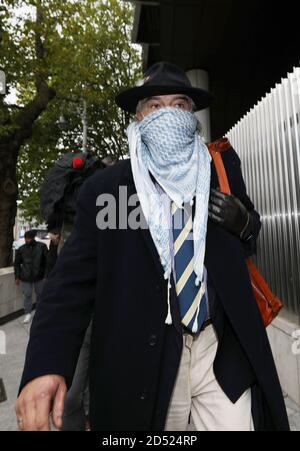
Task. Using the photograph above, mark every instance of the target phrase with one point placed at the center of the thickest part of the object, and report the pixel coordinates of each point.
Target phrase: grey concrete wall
(10, 294)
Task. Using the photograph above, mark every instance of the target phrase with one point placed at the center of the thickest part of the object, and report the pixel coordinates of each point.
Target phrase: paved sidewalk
(11, 365)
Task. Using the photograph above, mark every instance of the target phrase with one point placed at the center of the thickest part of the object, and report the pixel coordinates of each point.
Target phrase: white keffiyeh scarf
(167, 144)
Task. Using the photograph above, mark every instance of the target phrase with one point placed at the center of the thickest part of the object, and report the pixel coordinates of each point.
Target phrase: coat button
(152, 340)
(143, 396)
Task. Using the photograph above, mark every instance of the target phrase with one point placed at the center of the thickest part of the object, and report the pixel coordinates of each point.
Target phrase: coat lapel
(145, 233)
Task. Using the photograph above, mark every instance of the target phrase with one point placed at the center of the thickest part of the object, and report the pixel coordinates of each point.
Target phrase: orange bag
(269, 304)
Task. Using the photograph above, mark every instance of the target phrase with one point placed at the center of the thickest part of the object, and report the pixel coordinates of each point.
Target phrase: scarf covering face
(167, 144)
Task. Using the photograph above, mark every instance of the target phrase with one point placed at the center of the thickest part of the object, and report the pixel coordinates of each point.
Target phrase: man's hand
(229, 212)
(18, 281)
(38, 399)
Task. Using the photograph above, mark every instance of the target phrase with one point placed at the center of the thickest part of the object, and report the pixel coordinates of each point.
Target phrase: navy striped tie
(189, 295)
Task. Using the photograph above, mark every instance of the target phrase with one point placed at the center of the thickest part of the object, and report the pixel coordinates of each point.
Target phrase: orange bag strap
(216, 148)
(260, 282)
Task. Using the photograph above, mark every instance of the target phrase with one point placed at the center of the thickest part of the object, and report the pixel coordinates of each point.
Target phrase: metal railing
(267, 140)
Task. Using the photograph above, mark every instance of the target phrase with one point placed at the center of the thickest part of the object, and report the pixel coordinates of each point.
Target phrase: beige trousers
(198, 396)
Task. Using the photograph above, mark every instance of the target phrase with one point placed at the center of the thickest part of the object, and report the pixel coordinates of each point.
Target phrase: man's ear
(139, 116)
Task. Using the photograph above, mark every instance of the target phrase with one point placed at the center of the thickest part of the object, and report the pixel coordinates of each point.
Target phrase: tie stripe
(174, 208)
(183, 235)
(184, 278)
(192, 310)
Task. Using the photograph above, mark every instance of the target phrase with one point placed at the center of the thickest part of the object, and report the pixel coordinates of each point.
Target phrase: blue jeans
(27, 288)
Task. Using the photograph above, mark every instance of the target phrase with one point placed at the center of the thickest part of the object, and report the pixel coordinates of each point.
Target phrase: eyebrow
(179, 97)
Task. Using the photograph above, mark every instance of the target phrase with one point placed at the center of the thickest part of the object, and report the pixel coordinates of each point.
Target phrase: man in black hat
(176, 332)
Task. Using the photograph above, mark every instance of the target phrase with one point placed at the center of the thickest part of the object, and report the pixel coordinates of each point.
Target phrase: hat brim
(128, 99)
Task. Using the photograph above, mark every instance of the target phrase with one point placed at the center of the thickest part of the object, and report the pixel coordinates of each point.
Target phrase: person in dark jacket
(53, 247)
(30, 266)
(176, 328)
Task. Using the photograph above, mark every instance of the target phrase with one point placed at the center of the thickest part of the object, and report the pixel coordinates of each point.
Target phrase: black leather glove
(229, 212)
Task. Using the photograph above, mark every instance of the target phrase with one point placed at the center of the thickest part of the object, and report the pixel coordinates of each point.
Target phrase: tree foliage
(76, 50)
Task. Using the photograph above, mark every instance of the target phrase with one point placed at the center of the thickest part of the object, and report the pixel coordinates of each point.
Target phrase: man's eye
(180, 105)
(155, 105)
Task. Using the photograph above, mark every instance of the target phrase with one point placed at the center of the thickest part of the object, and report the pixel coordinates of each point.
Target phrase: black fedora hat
(161, 79)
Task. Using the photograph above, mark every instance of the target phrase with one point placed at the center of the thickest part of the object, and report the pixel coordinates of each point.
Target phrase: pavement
(11, 365)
